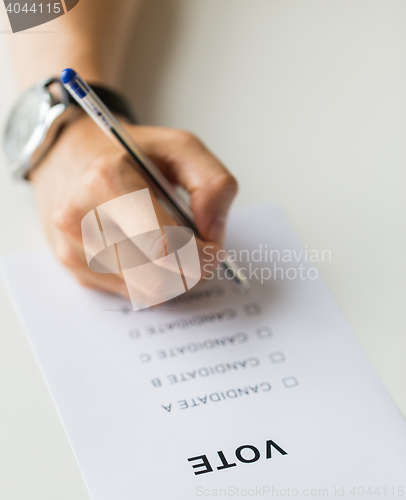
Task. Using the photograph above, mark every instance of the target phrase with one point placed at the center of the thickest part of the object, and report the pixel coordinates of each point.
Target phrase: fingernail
(217, 229)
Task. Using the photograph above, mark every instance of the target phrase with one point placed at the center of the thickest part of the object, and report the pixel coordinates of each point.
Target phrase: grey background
(305, 102)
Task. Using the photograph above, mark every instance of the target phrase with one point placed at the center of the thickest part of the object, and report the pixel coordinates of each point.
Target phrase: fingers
(103, 182)
(106, 188)
(72, 256)
(187, 162)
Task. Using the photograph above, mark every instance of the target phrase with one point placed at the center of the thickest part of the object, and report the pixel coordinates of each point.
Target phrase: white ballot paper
(215, 394)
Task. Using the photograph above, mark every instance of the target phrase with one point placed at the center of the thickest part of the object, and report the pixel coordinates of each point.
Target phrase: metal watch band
(53, 107)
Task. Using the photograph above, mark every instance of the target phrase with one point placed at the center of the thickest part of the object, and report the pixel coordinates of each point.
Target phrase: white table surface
(305, 102)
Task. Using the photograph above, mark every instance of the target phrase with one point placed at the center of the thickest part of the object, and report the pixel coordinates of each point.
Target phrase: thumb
(186, 161)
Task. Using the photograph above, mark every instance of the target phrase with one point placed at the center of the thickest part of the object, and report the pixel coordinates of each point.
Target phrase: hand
(83, 170)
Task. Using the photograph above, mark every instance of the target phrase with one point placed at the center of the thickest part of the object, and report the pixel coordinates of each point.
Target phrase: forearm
(92, 38)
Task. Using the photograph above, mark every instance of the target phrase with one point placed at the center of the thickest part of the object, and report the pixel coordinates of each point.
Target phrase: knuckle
(67, 218)
(153, 246)
(97, 174)
(156, 249)
(228, 182)
(110, 174)
(185, 138)
(67, 256)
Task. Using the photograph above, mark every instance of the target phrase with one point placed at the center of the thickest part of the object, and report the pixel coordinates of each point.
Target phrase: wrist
(48, 108)
(66, 151)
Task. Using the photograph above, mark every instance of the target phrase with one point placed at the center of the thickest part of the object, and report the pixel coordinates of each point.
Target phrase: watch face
(22, 123)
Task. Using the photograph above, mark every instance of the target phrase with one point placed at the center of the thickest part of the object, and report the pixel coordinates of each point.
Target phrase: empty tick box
(277, 357)
(252, 309)
(264, 332)
(290, 382)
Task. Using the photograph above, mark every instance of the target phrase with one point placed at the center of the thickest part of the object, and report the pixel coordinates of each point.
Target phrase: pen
(168, 196)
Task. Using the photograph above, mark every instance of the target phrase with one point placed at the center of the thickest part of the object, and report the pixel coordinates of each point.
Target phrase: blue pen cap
(70, 80)
(67, 75)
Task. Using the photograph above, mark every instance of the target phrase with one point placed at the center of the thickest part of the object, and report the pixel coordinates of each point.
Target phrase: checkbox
(290, 382)
(264, 332)
(134, 334)
(252, 309)
(277, 357)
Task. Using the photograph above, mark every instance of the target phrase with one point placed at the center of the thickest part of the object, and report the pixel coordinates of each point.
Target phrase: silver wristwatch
(37, 117)
(33, 124)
